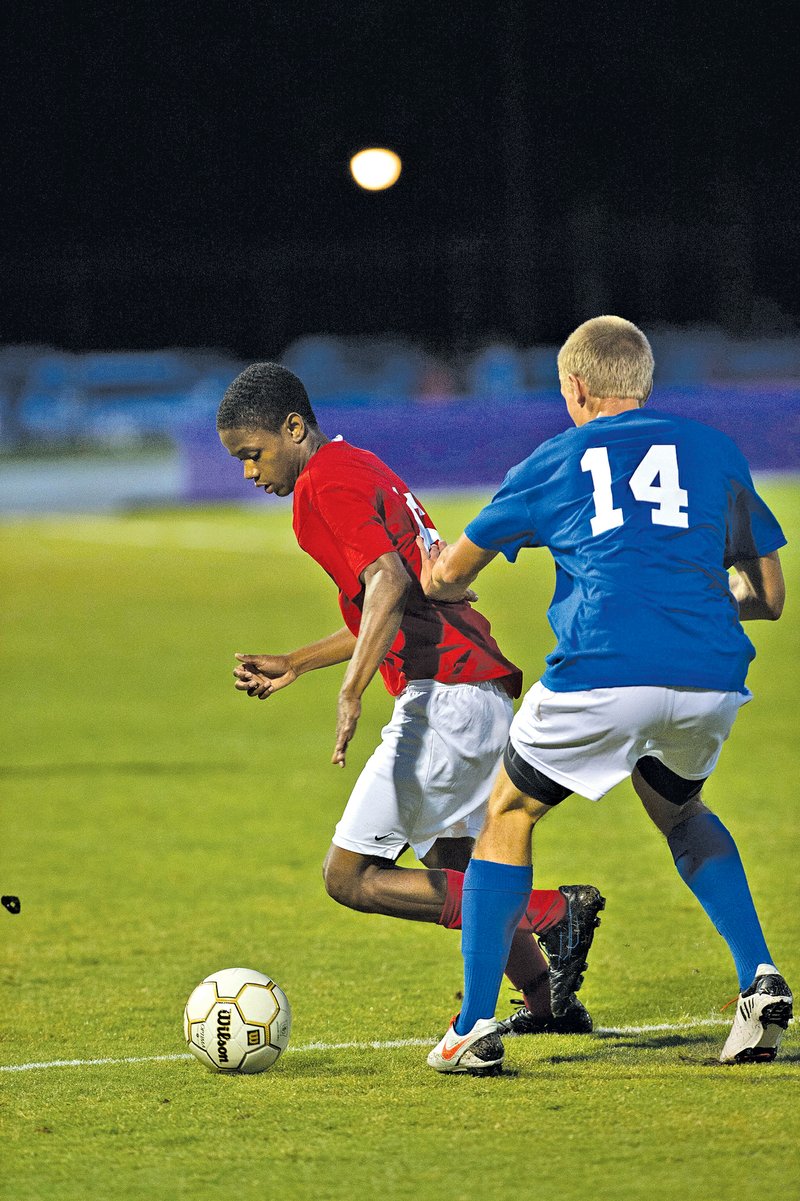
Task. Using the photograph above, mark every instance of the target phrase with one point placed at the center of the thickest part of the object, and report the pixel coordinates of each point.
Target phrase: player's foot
(763, 1012)
(479, 1053)
(567, 943)
(574, 1020)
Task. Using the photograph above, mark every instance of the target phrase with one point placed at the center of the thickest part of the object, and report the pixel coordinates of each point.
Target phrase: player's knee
(338, 883)
(672, 787)
(346, 887)
(531, 782)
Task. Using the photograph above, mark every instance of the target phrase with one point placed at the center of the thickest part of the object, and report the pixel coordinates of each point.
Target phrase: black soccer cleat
(574, 1020)
(763, 1012)
(567, 943)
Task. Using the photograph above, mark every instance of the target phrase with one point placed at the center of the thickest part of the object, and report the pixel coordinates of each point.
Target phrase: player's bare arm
(386, 584)
(759, 588)
(262, 675)
(447, 571)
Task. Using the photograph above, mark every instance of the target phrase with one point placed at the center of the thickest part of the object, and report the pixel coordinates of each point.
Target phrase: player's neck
(312, 442)
(610, 406)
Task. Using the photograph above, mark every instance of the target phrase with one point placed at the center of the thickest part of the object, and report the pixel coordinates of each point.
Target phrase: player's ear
(295, 427)
(577, 389)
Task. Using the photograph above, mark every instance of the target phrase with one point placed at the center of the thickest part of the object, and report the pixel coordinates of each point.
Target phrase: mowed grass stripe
(142, 534)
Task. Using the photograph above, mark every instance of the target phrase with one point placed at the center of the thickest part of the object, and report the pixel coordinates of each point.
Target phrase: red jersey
(349, 509)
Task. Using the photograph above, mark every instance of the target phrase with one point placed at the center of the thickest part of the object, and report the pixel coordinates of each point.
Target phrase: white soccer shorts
(590, 741)
(432, 773)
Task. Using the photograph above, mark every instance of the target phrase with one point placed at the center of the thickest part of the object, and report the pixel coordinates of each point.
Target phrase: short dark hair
(262, 397)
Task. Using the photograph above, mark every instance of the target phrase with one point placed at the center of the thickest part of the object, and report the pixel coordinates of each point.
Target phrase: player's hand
(347, 714)
(428, 560)
(261, 675)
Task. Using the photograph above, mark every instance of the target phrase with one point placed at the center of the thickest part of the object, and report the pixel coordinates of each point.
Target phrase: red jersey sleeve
(351, 515)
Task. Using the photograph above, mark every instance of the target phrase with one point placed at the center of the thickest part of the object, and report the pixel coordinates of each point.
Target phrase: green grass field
(160, 826)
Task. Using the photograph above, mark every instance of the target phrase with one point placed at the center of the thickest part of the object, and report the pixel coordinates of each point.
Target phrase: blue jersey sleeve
(752, 530)
(507, 524)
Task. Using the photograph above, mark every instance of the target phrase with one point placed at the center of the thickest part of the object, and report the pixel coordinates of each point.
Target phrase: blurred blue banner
(467, 444)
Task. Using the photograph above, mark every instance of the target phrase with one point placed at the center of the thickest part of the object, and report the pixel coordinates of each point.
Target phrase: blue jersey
(643, 513)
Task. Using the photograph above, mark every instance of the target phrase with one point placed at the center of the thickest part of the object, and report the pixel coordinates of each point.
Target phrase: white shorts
(432, 773)
(590, 741)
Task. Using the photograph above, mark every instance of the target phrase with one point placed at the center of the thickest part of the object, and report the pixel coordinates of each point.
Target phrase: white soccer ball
(237, 1020)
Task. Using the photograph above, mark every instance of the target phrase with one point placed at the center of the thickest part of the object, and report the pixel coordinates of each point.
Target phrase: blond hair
(612, 357)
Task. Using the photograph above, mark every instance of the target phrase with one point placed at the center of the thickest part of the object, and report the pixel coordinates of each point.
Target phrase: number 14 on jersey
(655, 482)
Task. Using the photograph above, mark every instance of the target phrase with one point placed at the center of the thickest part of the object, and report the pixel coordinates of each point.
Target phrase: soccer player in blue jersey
(643, 513)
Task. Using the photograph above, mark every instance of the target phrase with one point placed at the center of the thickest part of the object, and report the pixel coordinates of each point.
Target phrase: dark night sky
(178, 172)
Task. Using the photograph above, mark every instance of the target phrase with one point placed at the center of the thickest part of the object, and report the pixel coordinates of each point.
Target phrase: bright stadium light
(375, 169)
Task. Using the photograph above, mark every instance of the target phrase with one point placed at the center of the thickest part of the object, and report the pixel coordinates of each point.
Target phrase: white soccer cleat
(763, 1012)
(479, 1053)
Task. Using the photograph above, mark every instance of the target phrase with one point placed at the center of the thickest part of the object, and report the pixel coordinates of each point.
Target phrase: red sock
(546, 906)
(527, 970)
(451, 911)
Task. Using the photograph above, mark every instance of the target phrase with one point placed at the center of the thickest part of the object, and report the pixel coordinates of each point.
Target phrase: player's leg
(497, 885)
(526, 968)
(558, 743)
(708, 861)
(550, 737)
(373, 884)
(669, 782)
(377, 885)
(554, 917)
(500, 865)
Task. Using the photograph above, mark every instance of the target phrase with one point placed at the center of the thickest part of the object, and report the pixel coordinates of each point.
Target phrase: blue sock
(495, 898)
(708, 862)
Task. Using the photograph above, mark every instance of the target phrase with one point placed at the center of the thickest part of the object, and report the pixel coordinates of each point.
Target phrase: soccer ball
(237, 1020)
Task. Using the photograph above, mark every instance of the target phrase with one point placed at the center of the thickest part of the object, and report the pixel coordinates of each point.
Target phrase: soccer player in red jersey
(427, 784)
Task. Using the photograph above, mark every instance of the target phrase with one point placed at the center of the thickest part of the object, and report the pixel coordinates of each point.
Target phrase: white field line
(367, 1046)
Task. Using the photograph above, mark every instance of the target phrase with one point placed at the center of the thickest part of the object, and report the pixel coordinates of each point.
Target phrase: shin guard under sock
(708, 862)
(545, 907)
(495, 898)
